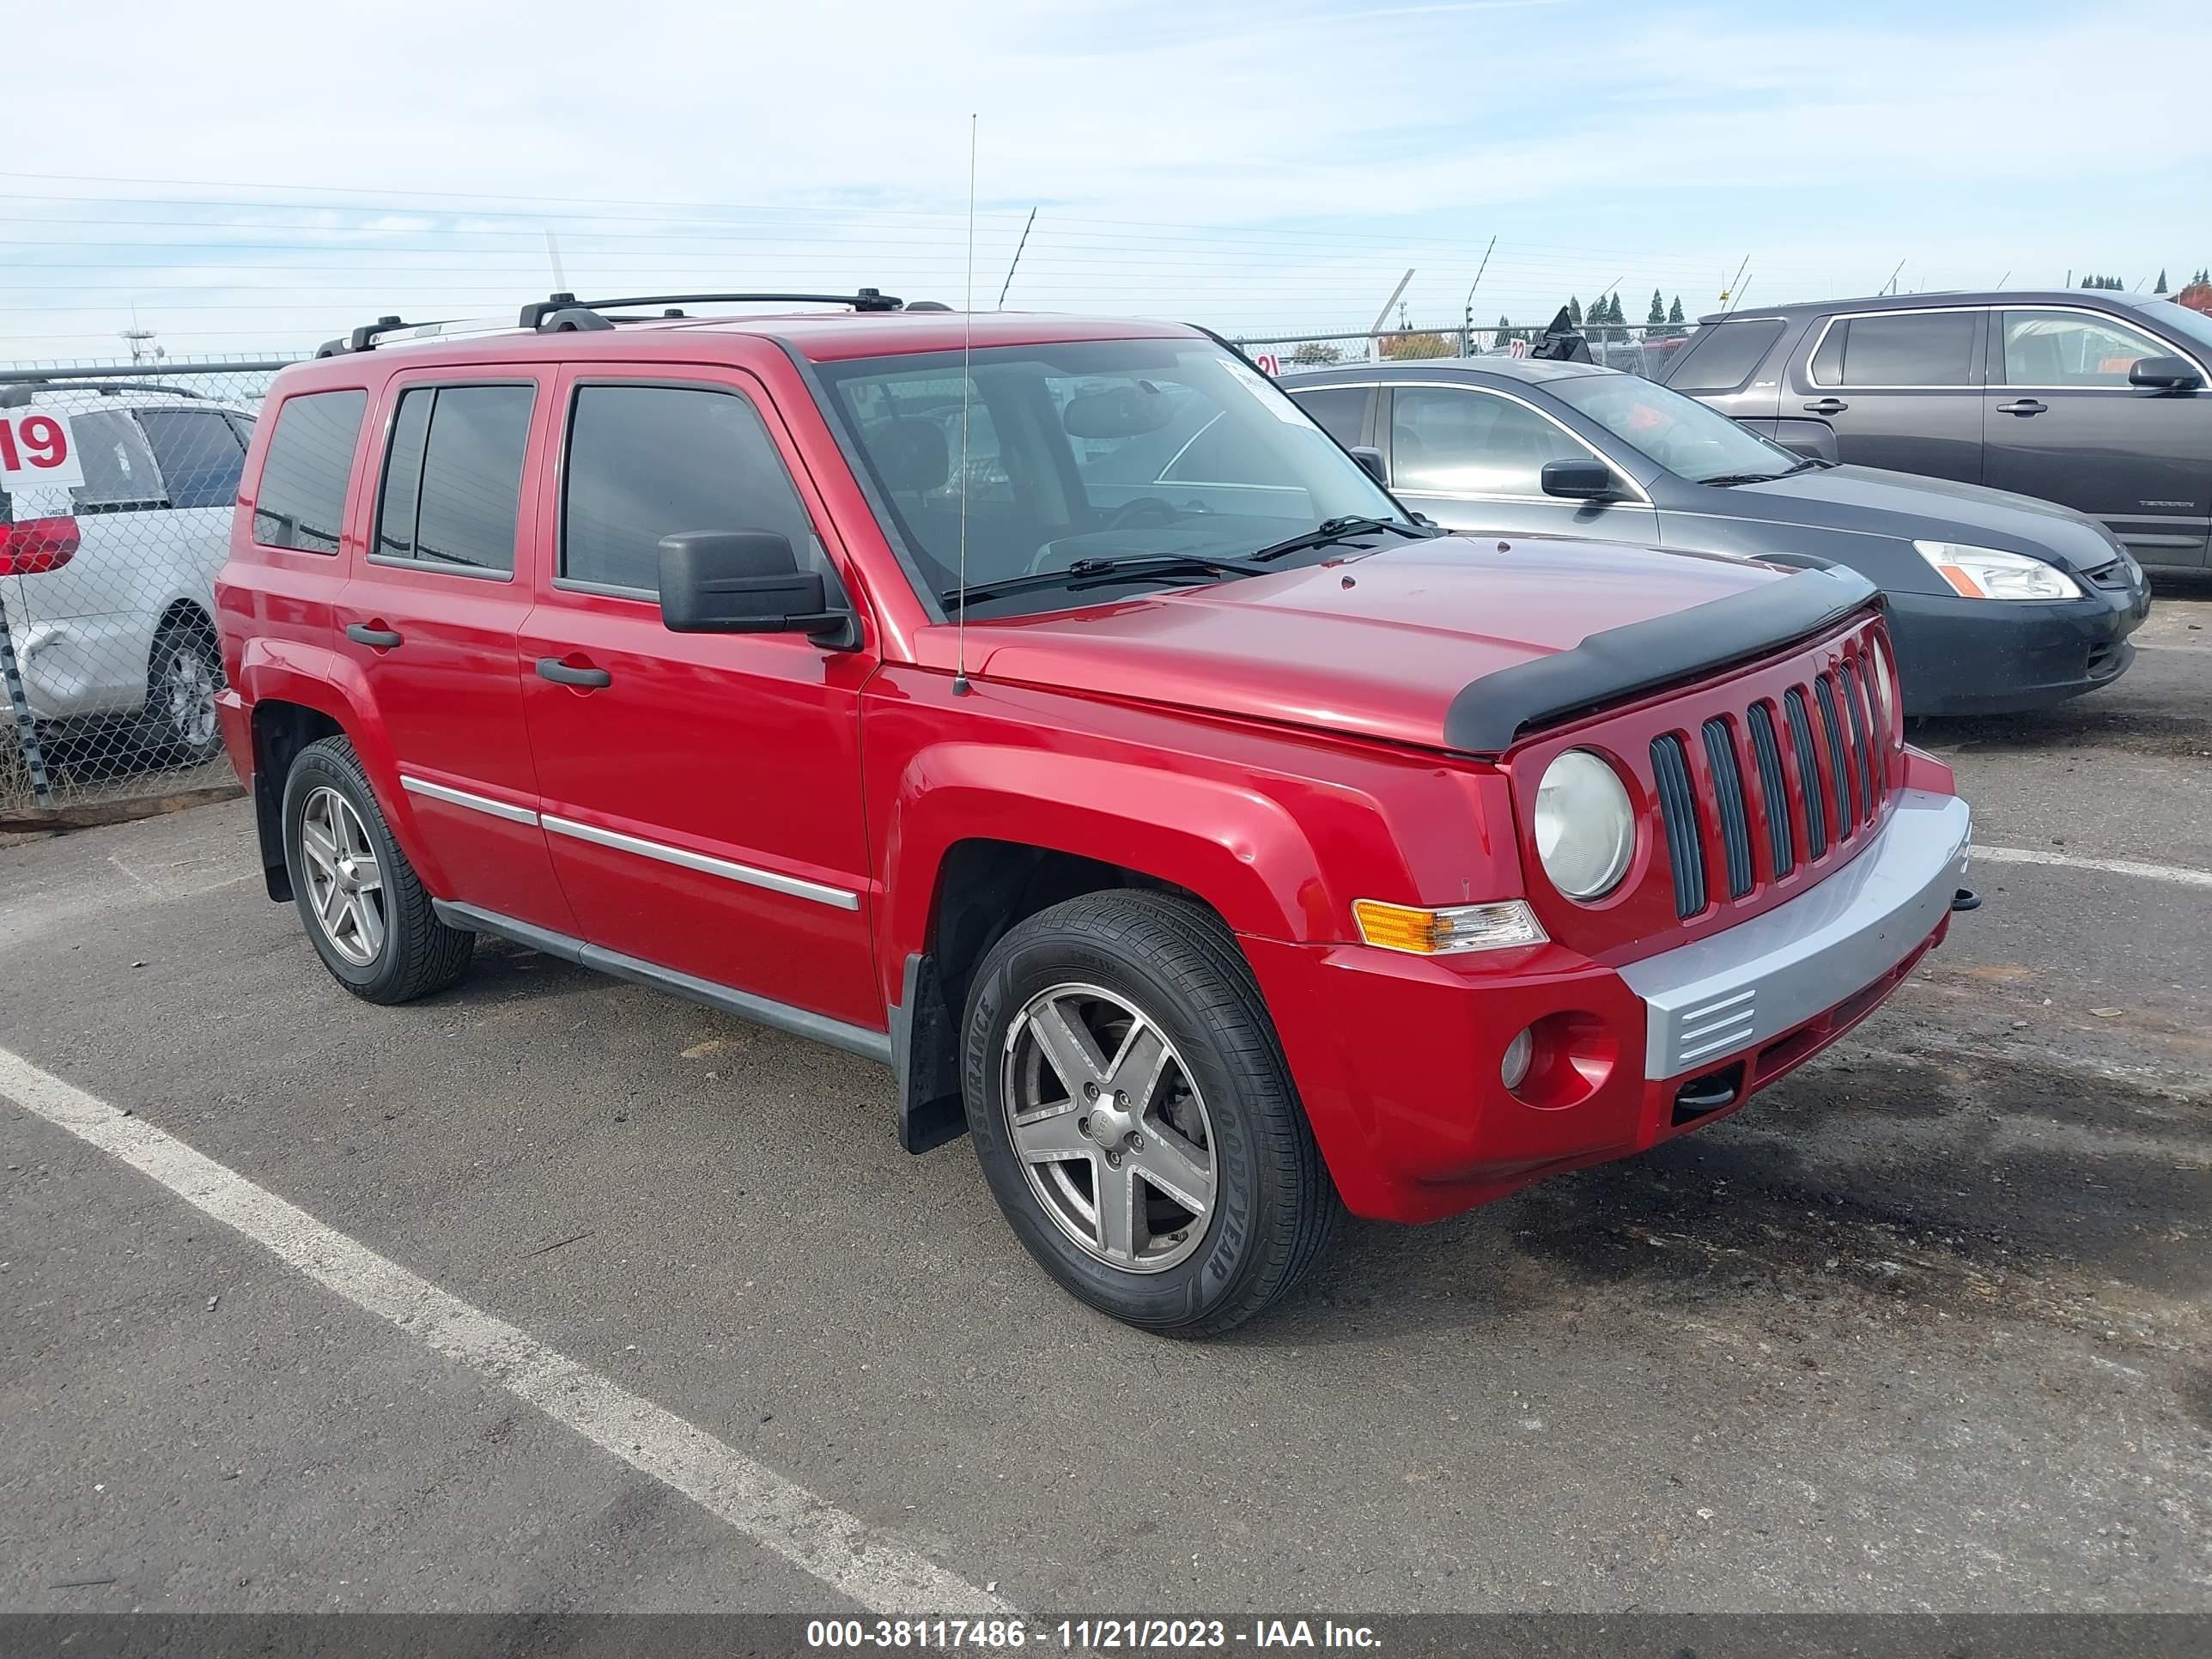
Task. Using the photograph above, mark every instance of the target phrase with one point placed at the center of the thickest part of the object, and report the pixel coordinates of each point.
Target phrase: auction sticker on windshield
(37, 449)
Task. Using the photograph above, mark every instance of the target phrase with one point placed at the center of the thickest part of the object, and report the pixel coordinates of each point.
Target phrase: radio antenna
(960, 686)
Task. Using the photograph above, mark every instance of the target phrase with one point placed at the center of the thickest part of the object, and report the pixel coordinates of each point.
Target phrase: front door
(431, 617)
(1474, 460)
(2060, 421)
(1901, 389)
(701, 793)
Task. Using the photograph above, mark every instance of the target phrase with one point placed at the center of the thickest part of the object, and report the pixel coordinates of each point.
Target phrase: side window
(2071, 348)
(452, 477)
(1721, 356)
(1905, 347)
(301, 501)
(1340, 410)
(1470, 443)
(646, 461)
(120, 473)
(199, 455)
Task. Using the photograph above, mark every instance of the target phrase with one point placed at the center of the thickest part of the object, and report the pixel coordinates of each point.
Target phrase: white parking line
(838, 1548)
(2181, 873)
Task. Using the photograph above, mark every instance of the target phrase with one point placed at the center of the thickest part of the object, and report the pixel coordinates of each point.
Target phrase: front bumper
(1746, 987)
(1396, 1057)
(1961, 656)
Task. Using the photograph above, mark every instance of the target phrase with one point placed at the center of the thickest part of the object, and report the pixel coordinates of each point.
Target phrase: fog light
(1513, 1070)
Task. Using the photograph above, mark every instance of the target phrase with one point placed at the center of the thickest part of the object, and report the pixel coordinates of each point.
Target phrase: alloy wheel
(1108, 1127)
(345, 882)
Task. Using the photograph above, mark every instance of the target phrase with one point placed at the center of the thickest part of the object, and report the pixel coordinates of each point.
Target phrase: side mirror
(1579, 480)
(740, 581)
(1371, 459)
(2167, 373)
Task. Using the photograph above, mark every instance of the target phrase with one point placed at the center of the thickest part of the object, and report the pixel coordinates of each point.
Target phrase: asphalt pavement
(1923, 1327)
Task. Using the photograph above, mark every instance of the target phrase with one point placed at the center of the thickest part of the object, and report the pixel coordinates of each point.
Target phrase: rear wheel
(183, 675)
(1133, 1114)
(364, 908)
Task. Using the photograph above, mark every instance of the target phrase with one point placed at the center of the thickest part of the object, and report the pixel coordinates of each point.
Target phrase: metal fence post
(26, 730)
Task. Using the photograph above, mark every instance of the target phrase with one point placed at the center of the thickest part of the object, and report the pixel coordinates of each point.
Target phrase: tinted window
(473, 476)
(199, 454)
(2069, 347)
(1341, 410)
(301, 500)
(118, 467)
(1935, 348)
(1694, 441)
(402, 476)
(1469, 443)
(645, 462)
(1721, 357)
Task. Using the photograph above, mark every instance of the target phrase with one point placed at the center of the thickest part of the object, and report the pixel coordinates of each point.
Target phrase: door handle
(2022, 406)
(553, 669)
(1827, 406)
(362, 634)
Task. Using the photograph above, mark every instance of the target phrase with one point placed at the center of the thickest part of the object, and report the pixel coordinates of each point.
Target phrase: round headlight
(1585, 829)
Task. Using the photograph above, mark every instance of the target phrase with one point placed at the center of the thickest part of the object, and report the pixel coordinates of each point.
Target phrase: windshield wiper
(1336, 530)
(1803, 463)
(1091, 572)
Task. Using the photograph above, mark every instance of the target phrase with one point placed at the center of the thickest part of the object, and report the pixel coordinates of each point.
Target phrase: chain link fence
(117, 485)
(1639, 347)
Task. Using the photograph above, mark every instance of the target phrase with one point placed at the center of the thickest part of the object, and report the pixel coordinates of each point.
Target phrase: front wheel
(364, 906)
(1134, 1117)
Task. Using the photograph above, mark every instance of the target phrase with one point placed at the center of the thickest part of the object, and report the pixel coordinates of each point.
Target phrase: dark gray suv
(2095, 400)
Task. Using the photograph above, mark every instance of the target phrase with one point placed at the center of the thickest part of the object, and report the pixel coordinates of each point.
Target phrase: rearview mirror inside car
(740, 581)
(1127, 411)
(2170, 374)
(1579, 480)
(1371, 459)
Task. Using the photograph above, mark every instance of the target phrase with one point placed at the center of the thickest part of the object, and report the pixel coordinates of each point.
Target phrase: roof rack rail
(364, 337)
(21, 392)
(562, 312)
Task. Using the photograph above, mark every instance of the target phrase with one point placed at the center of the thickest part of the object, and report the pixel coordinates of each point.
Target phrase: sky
(253, 177)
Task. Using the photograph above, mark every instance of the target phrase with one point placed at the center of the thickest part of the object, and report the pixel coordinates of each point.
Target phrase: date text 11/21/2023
(1085, 1634)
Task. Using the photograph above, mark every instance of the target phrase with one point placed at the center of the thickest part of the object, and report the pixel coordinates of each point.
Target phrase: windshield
(2192, 325)
(1099, 450)
(1691, 441)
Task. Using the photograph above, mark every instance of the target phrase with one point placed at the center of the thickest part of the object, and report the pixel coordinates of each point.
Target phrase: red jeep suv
(1049, 709)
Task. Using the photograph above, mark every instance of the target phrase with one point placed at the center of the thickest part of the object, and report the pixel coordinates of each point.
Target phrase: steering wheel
(1146, 513)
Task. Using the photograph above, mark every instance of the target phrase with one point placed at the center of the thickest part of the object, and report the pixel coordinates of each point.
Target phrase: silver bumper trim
(1762, 976)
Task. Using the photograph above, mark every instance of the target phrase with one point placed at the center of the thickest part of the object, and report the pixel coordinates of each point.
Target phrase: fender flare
(1231, 845)
(317, 677)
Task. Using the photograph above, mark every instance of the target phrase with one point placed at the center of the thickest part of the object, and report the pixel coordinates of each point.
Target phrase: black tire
(183, 671)
(419, 953)
(1275, 1207)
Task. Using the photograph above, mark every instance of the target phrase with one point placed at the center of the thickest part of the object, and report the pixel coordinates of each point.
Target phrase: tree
(1675, 310)
(1574, 311)
(2197, 295)
(1658, 312)
(1314, 353)
(2160, 286)
(1418, 345)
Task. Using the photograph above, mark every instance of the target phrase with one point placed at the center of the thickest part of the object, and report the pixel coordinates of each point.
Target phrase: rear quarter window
(1721, 356)
(300, 502)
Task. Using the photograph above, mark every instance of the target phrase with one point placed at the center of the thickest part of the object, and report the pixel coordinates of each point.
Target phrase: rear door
(2060, 421)
(700, 791)
(1900, 389)
(1472, 458)
(432, 618)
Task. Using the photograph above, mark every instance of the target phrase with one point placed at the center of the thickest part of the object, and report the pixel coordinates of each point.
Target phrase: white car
(108, 586)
